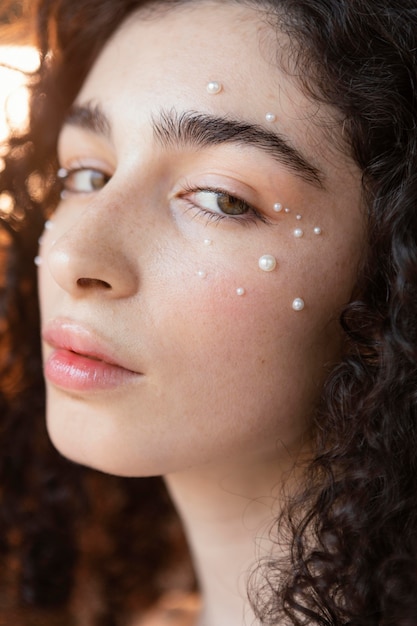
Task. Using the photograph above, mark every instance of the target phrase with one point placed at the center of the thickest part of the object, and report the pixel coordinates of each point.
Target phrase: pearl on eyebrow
(298, 232)
(267, 263)
(270, 117)
(214, 87)
(298, 304)
(277, 207)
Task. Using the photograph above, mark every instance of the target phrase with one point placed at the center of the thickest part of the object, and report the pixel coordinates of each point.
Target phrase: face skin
(127, 270)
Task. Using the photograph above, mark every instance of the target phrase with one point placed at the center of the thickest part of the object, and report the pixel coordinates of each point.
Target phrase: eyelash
(250, 217)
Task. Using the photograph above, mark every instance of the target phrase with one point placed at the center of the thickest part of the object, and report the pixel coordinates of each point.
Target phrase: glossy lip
(80, 361)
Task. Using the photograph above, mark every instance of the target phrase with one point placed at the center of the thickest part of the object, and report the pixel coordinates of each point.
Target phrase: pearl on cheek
(240, 291)
(277, 207)
(267, 263)
(202, 274)
(298, 232)
(317, 230)
(298, 304)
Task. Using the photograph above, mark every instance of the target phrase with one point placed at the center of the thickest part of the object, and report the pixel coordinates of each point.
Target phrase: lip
(81, 361)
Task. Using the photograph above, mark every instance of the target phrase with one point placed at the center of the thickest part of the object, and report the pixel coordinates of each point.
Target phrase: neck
(228, 512)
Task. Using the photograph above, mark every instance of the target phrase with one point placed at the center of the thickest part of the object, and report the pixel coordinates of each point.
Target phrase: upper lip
(76, 337)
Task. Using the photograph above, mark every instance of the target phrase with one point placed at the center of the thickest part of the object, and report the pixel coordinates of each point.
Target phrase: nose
(91, 257)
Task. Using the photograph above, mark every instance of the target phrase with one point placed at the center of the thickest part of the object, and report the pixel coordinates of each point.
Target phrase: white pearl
(207, 242)
(277, 207)
(317, 230)
(62, 172)
(270, 117)
(64, 194)
(240, 291)
(201, 274)
(48, 225)
(299, 217)
(267, 263)
(298, 232)
(298, 304)
(287, 210)
(38, 260)
(214, 87)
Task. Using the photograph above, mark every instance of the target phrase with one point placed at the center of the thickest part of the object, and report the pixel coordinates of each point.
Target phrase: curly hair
(353, 529)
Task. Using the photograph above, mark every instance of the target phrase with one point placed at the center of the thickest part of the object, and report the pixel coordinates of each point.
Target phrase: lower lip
(75, 372)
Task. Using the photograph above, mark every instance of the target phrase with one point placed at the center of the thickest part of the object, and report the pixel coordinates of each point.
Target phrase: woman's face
(166, 345)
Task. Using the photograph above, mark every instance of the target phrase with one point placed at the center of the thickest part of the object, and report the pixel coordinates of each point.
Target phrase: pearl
(207, 242)
(270, 117)
(214, 87)
(277, 207)
(287, 210)
(299, 217)
(240, 291)
(62, 172)
(298, 232)
(267, 263)
(38, 260)
(298, 304)
(64, 194)
(201, 274)
(317, 230)
(48, 225)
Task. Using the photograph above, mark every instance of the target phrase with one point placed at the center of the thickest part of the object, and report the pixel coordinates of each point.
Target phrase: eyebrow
(202, 130)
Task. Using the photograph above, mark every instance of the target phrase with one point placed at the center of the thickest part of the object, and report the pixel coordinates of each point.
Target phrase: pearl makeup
(317, 230)
(214, 87)
(267, 263)
(270, 117)
(202, 274)
(208, 242)
(277, 207)
(240, 291)
(298, 217)
(298, 232)
(298, 304)
(48, 225)
(38, 261)
(287, 210)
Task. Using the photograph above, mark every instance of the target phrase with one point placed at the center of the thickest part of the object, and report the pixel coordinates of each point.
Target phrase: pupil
(97, 180)
(230, 205)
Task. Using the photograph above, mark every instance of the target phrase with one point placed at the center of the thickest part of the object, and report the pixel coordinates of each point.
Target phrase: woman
(228, 287)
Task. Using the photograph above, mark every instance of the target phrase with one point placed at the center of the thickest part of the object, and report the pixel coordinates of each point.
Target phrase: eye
(219, 204)
(82, 180)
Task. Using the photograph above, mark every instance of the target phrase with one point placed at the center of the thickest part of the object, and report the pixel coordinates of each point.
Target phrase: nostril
(93, 282)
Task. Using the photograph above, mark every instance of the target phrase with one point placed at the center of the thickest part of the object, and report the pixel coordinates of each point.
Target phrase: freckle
(240, 291)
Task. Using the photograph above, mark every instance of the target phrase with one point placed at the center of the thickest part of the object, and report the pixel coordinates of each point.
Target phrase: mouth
(78, 360)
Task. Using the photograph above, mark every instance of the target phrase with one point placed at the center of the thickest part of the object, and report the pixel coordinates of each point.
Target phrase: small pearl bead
(277, 207)
(201, 274)
(267, 263)
(240, 291)
(287, 210)
(298, 304)
(62, 172)
(317, 230)
(207, 242)
(213, 87)
(48, 225)
(299, 217)
(37, 261)
(298, 232)
(270, 117)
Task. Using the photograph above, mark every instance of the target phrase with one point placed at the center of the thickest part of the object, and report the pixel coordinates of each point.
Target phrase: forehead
(166, 57)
